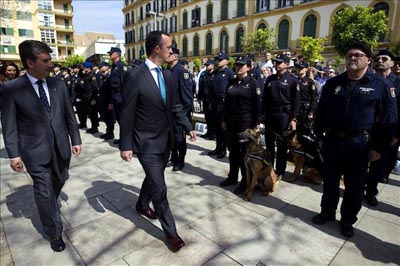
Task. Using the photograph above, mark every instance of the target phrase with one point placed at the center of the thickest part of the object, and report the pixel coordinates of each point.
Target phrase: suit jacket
(28, 131)
(146, 123)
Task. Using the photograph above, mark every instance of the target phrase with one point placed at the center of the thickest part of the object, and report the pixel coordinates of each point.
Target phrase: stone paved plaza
(101, 226)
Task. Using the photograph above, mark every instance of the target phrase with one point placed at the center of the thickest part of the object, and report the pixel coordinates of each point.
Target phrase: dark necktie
(43, 97)
(161, 84)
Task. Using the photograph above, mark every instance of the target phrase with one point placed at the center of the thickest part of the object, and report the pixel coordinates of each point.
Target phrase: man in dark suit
(149, 106)
(38, 123)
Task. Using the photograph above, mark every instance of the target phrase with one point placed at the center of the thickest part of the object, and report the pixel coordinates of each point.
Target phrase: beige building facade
(203, 28)
(46, 20)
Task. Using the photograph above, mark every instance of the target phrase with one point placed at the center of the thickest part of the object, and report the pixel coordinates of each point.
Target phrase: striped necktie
(43, 97)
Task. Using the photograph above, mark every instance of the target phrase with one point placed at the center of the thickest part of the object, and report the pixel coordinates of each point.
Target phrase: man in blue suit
(38, 127)
(149, 107)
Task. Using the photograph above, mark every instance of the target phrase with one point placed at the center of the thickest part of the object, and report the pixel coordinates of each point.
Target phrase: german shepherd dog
(258, 165)
(306, 156)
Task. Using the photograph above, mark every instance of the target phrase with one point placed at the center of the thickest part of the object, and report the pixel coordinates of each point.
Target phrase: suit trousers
(48, 181)
(154, 189)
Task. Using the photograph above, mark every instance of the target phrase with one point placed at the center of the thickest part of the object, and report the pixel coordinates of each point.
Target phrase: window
(141, 34)
(132, 17)
(239, 35)
(65, 8)
(283, 35)
(184, 20)
(6, 13)
(209, 13)
(173, 23)
(7, 31)
(129, 55)
(382, 6)
(209, 44)
(148, 29)
(196, 16)
(262, 26)
(148, 8)
(263, 5)
(224, 42)
(46, 20)
(241, 8)
(164, 5)
(68, 39)
(127, 20)
(44, 4)
(196, 45)
(66, 24)
(47, 36)
(164, 25)
(25, 33)
(141, 13)
(310, 26)
(23, 1)
(133, 33)
(155, 6)
(8, 49)
(24, 16)
(184, 47)
(141, 52)
(172, 3)
(285, 3)
(224, 10)
(133, 53)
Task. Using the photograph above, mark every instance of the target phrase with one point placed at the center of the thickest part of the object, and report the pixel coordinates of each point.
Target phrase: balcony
(63, 28)
(63, 13)
(65, 43)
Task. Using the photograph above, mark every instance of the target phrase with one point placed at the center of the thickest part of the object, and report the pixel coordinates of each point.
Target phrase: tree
(197, 64)
(360, 24)
(261, 41)
(74, 60)
(311, 48)
(396, 48)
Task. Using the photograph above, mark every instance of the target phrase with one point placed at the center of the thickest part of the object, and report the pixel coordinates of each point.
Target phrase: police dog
(306, 156)
(258, 165)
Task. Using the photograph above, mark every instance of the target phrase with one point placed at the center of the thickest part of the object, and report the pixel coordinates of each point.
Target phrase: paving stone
(221, 259)
(6, 260)
(3, 241)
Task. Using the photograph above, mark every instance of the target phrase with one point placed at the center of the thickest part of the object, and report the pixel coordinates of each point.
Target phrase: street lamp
(155, 14)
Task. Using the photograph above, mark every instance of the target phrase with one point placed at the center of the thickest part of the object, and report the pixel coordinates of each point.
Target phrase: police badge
(393, 92)
(258, 91)
(186, 75)
(337, 89)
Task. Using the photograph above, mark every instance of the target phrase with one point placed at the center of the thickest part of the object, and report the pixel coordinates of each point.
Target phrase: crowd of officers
(281, 94)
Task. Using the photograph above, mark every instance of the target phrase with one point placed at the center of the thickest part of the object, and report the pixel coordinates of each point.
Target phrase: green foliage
(197, 64)
(231, 62)
(74, 60)
(143, 57)
(337, 62)
(396, 48)
(311, 48)
(360, 24)
(260, 42)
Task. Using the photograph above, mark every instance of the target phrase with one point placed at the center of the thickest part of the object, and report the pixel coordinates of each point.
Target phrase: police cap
(175, 50)
(222, 56)
(282, 58)
(87, 65)
(210, 62)
(301, 64)
(243, 60)
(104, 63)
(387, 53)
(113, 50)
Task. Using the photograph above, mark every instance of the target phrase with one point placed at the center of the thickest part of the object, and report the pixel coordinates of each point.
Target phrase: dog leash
(304, 153)
(258, 157)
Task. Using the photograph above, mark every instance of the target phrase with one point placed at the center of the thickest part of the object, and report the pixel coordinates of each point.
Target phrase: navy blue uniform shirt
(221, 80)
(182, 76)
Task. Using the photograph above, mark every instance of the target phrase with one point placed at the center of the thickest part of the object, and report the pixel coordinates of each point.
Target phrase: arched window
(262, 26)
(209, 13)
(133, 53)
(184, 20)
(133, 36)
(283, 35)
(184, 47)
(310, 26)
(239, 35)
(209, 44)
(141, 52)
(262, 5)
(141, 36)
(382, 6)
(241, 8)
(224, 42)
(129, 55)
(196, 45)
(224, 9)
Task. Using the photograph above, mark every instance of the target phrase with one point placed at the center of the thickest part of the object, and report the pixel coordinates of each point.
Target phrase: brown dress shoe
(175, 242)
(147, 212)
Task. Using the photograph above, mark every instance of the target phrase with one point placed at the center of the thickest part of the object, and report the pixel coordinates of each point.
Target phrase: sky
(99, 16)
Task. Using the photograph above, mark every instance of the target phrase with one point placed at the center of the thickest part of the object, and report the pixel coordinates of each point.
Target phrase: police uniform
(91, 89)
(205, 85)
(118, 71)
(69, 82)
(356, 116)
(80, 99)
(217, 96)
(281, 103)
(242, 110)
(105, 99)
(179, 148)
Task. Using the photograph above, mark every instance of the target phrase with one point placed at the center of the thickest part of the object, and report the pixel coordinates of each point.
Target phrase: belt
(281, 109)
(347, 134)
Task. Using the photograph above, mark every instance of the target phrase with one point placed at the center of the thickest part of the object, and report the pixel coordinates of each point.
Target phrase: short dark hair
(29, 49)
(153, 40)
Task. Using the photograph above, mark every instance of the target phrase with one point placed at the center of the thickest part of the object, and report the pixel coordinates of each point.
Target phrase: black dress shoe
(221, 155)
(175, 242)
(116, 141)
(228, 182)
(92, 130)
(147, 212)
(176, 167)
(371, 200)
(57, 244)
(107, 136)
(170, 163)
(323, 218)
(82, 126)
(214, 152)
(346, 230)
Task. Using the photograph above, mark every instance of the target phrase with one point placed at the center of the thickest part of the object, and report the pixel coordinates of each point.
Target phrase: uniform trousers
(281, 151)
(220, 134)
(347, 157)
(154, 189)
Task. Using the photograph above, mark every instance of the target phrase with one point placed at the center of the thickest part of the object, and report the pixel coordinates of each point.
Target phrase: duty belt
(347, 133)
(281, 109)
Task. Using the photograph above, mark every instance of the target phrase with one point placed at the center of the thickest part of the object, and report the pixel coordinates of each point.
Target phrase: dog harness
(258, 157)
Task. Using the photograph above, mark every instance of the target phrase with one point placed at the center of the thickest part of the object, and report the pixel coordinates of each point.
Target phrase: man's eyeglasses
(381, 58)
(356, 55)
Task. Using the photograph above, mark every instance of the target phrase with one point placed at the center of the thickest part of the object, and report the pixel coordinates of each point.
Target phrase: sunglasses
(356, 55)
(381, 58)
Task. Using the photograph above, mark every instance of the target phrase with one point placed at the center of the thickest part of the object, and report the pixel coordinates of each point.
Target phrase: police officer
(106, 100)
(57, 71)
(118, 70)
(254, 71)
(181, 75)
(80, 95)
(242, 110)
(91, 90)
(205, 85)
(380, 170)
(221, 79)
(68, 82)
(357, 113)
(281, 103)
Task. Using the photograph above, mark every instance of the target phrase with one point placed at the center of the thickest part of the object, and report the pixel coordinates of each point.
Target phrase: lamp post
(155, 14)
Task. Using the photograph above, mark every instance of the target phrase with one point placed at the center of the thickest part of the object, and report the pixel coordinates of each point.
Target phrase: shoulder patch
(313, 87)
(393, 92)
(186, 75)
(258, 91)
(298, 87)
(125, 68)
